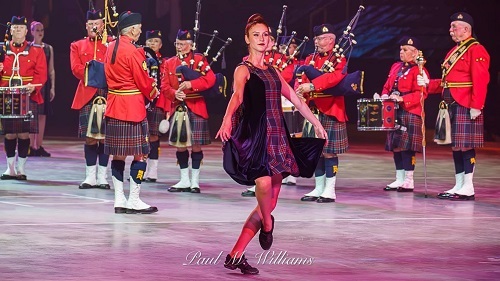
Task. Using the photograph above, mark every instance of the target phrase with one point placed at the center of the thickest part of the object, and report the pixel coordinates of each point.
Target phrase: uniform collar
(18, 45)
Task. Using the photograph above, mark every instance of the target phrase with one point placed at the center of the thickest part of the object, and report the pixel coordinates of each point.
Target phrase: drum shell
(376, 114)
(14, 102)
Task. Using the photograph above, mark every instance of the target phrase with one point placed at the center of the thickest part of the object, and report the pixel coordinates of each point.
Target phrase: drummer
(32, 70)
(401, 86)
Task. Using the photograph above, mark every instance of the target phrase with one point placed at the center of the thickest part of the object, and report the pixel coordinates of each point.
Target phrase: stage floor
(51, 230)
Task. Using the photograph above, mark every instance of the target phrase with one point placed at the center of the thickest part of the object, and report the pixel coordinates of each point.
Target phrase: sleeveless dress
(260, 143)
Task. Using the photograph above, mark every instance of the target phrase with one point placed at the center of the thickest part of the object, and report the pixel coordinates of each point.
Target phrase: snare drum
(376, 115)
(15, 102)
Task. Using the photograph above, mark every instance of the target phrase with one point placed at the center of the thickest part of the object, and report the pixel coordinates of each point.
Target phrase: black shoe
(179, 189)
(120, 210)
(195, 190)
(388, 188)
(33, 152)
(85, 186)
(402, 189)
(42, 152)
(325, 200)
(103, 186)
(149, 210)
(8, 177)
(266, 238)
(149, 180)
(248, 193)
(241, 263)
(444, 195)
(459, 197)
(309, 198)
(21, 178)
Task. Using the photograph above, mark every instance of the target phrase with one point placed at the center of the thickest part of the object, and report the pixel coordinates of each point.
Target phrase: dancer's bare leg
(267, 191)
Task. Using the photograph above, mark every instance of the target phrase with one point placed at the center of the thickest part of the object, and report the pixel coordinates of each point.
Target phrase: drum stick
(25, 86)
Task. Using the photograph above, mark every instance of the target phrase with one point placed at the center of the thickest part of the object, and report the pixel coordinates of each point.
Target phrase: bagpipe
(279, 56)
(94, 75)
(190, 71)
(198, 66)
(153, 67)
(94, 69)
(352, 83)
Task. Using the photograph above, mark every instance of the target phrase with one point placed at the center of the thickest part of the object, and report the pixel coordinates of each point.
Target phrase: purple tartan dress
(259, 134)
(260, 144)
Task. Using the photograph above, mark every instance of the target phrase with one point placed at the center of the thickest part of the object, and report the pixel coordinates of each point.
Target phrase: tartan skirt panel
(126, 138)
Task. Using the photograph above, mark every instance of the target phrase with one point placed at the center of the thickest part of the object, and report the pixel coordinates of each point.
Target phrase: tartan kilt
(155, 116)
(337, 141)
(199, 129)
(20, 125)
(465, 132)
(83, 118)
(126, 138)
(411, 139)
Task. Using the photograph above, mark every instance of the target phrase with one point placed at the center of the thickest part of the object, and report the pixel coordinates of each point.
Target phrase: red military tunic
(329, 105)
(32, 68)
(128, 82)
(81, 52)
(407, 85)
(472, 68)
(194, 101)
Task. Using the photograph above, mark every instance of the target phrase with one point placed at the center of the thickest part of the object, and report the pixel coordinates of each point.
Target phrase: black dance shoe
(42, 152)
(266, 238)
(149, 210)
(325, 200)
(241, 263)
(309, 198)
(120, 210)
(459, 197)
(444, 195)
(179, 189)
(248, 193)
(33, 152)
(21, 177)
(195, 190)
(388, 188)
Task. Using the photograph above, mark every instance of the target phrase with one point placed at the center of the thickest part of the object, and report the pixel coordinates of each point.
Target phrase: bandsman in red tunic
(406, 140)
(82, 52)
(463, 86)
(191, 92)
(127, 131)
(331, 113)
(158, 112)
(24, 65)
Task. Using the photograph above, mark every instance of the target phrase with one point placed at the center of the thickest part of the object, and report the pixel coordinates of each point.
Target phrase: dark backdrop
(383, 22)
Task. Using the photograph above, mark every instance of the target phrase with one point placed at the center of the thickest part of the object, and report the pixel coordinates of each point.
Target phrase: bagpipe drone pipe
(352, 83)
(197, 67)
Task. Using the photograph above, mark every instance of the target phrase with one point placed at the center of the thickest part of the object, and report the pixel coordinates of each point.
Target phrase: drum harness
(16, 79)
